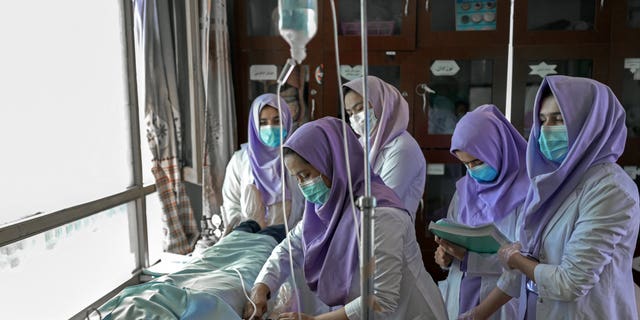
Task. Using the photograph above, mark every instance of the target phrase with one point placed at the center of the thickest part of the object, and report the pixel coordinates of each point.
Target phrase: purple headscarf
(265, 160)
(595, 122)
(391, 109)
(486, 134)
(329, 238)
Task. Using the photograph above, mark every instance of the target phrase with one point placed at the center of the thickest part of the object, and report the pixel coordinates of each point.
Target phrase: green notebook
(481, 239)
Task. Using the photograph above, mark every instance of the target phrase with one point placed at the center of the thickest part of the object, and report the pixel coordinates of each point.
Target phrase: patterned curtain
(220, 115)
(154, 40)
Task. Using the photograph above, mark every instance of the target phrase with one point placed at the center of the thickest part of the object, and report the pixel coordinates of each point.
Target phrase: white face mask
(357, 121)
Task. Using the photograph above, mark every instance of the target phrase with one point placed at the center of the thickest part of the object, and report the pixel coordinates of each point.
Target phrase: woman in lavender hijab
(324, 243)
(395, 155)
(252, 188)
(581, 213)
(493, 191)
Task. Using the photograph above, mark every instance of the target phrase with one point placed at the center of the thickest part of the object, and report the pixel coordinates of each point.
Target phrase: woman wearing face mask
(581, 214)
(395, 155)
(252, 186)
(324, 243)
(492, 192)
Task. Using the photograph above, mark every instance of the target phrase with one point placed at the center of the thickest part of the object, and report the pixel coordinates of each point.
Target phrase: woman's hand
(456, 251)
(294, 316)
(506, 254)
(259, 296)
(443, 259)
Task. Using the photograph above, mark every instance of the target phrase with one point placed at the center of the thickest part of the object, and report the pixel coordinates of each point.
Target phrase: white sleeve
(231, 192)
(277, 269)
(401, 168)
(605, 217)
(389, 258)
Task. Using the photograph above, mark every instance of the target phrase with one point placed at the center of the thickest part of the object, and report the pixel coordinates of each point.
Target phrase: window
(65, 120)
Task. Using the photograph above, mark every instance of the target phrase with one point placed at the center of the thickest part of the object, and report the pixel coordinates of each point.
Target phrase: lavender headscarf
(265, 160)
(329, 238)
(391, 109)
(595, 122)
(486, 134)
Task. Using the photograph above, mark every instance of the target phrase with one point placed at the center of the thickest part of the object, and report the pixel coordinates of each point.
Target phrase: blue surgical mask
(315, 190)
(270, 135)
(483, 173)
(554, 142)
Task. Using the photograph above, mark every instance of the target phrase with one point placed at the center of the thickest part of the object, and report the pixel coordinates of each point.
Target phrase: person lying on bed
(208, 287)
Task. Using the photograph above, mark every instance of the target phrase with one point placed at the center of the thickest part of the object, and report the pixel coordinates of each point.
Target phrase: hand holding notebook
(481, 239)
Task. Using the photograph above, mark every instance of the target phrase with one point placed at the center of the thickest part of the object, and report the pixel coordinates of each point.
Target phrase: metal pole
(366, 203)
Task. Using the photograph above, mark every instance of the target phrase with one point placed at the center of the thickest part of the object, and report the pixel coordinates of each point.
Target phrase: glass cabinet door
(626, 21)
(257, 25)
(453, 22)
(302, 91)
(552, 21)
(571, 67)
(625, 83)
(447, 89)
(390, 24)
(394, 69)
(443, 170)
(531, 65)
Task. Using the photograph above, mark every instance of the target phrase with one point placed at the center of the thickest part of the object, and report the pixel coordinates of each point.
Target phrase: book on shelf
(485, 238)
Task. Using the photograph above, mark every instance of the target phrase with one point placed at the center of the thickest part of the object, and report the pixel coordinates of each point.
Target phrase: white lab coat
(486, 266)
(239, 196)
(403, 288)
(587, 248)
(402, 167)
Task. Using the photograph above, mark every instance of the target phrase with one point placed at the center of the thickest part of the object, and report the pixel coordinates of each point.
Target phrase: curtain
(159, 94)
(220, 116)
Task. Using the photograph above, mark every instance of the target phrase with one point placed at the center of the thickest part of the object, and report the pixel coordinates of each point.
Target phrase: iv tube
(298, 23)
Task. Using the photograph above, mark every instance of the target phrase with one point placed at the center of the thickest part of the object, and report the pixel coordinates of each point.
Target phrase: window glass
(154, 227)
(64, 106)
(55, 274)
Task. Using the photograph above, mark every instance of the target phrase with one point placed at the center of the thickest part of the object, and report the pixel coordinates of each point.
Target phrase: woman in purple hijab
(252, 188)
(493, 191)
(325, 242)
(395, 155)
(581, 212)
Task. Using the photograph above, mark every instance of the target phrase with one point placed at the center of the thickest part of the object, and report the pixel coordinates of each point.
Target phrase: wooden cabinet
(391, 25)
(462, 23)
(393, 67)
(626, 21)
(257, 74)
(561, 22)
(443, 170)
(532, 63)
(459, 80)
(256, 26)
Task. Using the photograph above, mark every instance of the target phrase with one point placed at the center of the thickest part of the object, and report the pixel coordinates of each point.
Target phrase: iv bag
(298, 23)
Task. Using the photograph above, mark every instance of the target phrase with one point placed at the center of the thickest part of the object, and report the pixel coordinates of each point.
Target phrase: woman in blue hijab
(325, 242)
(493, 191)
(581, 213)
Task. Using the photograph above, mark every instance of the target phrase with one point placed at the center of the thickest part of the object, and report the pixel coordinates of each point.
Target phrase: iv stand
(367, 203)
